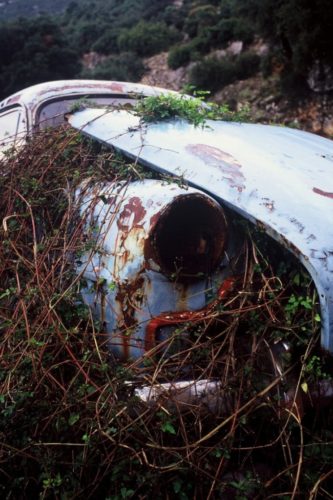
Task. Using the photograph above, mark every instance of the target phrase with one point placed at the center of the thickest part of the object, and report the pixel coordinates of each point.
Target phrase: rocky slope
(269, 104)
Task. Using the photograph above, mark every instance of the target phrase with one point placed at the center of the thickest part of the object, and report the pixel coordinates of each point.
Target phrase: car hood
(279, 178)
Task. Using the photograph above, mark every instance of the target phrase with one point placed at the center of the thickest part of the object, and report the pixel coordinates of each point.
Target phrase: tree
(32, 52)
(300, 29)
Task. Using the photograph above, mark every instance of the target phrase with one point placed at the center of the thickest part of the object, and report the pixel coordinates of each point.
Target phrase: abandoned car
(167, 252)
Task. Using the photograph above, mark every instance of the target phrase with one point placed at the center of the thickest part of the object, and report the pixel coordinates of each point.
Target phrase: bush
(192, 51)
(234, 29)
(125, 67)
(198, 18)
(213, 74)
(107, 43)
(32, 52)
(147, 39)
(179, 56)
(246, 65)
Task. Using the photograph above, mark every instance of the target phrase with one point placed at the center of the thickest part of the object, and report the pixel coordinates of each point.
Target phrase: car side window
(12, 128)
(52, 113)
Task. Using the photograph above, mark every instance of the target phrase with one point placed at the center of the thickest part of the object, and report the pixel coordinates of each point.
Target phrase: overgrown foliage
(70, 425)
(213, 74)
(33, 52)
(192, 109)
(146, 39)
(298, 34)
(123, 67)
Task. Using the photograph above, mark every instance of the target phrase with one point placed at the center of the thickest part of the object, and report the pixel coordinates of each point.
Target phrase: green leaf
(168, 427)
(177, 486)
(297, 279)
(73, 418)
(125, 493)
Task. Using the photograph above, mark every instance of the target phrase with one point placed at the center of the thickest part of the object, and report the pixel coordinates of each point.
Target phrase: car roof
(32, 96)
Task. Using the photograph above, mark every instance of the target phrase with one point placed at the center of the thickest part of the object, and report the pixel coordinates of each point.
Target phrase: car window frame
(20, 133)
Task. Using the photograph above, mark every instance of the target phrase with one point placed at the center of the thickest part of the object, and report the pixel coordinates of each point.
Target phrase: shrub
(107, 43)
(32, 52)
(225, 31)
(179, 56)
(146, 39)
(199, 17)
(126, 67)
(246, 65)
(192, 51)
(234, 29)
(214, 74)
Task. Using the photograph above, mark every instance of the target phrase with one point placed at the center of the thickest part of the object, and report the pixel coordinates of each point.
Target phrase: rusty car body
(276, 177)
(279, 179)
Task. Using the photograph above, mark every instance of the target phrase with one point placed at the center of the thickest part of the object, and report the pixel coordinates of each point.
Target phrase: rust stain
(224, 162)
(130, 297)
(322, 193)
(117, 87)
(114, 86)
(154, 218)
(132, 214)
(175, 318)
(130, 245)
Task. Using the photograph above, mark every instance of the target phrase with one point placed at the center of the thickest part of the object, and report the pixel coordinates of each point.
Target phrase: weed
(192, 109)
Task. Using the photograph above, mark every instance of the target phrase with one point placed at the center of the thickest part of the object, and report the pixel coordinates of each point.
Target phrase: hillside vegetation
(196, 33)
(12, 9)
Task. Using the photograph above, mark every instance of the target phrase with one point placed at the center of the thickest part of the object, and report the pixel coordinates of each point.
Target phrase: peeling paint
(147, 231)
(224, 162)
(248, 167)
(132, 214)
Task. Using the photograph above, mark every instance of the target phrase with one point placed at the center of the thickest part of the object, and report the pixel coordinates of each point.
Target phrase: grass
(71, 426)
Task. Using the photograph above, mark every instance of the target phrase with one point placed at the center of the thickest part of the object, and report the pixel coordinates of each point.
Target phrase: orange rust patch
(175, 318)
(130, 298)
(132, 214)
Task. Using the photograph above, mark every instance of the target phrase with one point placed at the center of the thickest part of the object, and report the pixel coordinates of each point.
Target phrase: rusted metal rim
(188, 239)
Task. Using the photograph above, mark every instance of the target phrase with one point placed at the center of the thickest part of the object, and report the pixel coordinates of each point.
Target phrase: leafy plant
(146, 39)
(125, 67)
(214, 74)
(192, 109)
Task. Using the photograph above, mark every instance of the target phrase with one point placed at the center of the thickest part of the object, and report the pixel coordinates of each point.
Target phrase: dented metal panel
(159, 252)
(277, 177)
